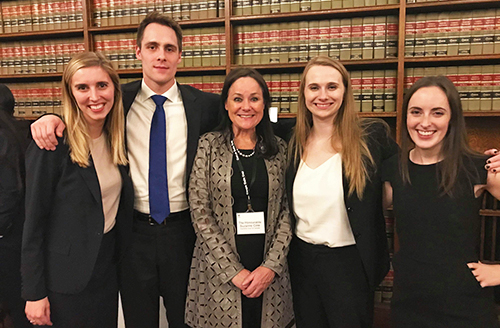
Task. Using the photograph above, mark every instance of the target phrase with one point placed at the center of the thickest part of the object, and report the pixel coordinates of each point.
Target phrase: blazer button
(349, 209)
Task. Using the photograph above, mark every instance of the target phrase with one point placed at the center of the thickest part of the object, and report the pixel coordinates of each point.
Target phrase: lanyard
(243, 177)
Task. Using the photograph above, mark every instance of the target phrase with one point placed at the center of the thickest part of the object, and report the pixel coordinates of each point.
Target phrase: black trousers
(329, 287)
(157, 263)
(97, 305)
(11, 303)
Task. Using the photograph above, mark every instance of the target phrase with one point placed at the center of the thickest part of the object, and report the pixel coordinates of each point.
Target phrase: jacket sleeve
(275, 258)
(219, 254)
(43, 169)
(11, 186)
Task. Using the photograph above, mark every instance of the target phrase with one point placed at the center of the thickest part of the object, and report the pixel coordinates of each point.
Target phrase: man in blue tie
(163, 123)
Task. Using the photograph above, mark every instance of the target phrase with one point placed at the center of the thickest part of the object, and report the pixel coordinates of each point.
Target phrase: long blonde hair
(77, 135)
(348, 130)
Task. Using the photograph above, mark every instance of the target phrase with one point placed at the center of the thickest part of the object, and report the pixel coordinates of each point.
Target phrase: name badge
(250, 223)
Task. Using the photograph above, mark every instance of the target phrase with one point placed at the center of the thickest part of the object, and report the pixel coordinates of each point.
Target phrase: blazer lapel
(193, 124)
(89, 175)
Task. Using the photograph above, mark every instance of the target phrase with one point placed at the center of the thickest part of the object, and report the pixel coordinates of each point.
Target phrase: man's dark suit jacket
(366, 214)
(202, 114)
(65, 221)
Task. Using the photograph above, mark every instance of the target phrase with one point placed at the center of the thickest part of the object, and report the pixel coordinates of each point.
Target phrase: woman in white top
(79, 202)
(338, 254)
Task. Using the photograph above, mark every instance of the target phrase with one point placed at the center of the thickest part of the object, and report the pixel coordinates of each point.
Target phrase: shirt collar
(172, 94)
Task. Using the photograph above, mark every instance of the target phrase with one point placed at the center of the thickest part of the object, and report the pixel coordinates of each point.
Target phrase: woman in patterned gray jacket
(239, 274)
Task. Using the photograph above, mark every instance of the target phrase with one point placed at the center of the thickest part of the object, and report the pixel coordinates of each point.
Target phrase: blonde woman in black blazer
(79, 202)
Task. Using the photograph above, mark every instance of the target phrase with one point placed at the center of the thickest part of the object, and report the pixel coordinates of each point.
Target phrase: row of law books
(343, 39)
(41, 56)
(35, 99)
(207, 83)
(479, 86)
(453, 33)
(257, 7)
(374, 90)
(40, 15)
(125, 12)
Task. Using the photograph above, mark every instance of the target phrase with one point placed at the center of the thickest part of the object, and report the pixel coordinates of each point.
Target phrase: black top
(431, 227)
(250, 247)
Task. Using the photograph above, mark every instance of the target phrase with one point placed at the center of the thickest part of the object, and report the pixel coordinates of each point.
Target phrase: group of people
(158, 189)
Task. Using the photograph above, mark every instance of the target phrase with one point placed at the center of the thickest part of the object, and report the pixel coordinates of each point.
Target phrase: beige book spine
(474, 88)
(71, 14)
(6, 17)
(356, 38)
(379, 37)
(442, 34)
(464, 41)
(274, 89)
(367, 40)
(35, 14)
(204, 8)
(257, 45)
(238, 44)
(489, 32)
(305, 5)
(237, 7)
(275, 43)
(38, 52)
(206, 59)
(119, 6)
(391, 43)
(275, 6)
(382, 2)
(59, 56)
(122, 51)
(315, 4)
(265, 7)
(215, 49)
(419, 50)
(256, 7)
(112, 12)
(358, 3)
(294, 92)
(15, 16)
(197, 47)
(303, 35)
(294, 43)
(408, 78)
(463, 85)
(495, 101)
(284, 38)
(486, 92)
(79, 13)
(194, 9)
(356, 82)
(212, 9)
(496, 47)
(177, 10)
(337, 4)
(410, 30)
(369, 3)
(366, 91)
(285, 6)
(115, 50)
(247, 44)
(390, 82)
(266, 44)
(347, 3)
(285, 93)
(334, 47)
(313, 39)
(294, 5)
(378, 91)
(454, 33)
(324, 37)
(96, 13)
(345, 39)
(134, 12)
(185, 10)
(18, 53)
(326, 4)
(476, 42)
(430, 34)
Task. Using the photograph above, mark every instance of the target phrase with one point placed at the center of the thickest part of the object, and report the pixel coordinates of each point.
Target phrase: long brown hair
(77, 136)
(348, 130)
(455, 143)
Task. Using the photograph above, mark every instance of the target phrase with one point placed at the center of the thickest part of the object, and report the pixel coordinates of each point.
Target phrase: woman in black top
(435, 184)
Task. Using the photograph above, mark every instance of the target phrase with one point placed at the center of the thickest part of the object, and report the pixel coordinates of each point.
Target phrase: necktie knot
(159, 100)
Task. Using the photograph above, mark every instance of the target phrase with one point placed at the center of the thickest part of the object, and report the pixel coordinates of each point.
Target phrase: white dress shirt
(138, 129)
(318, 204)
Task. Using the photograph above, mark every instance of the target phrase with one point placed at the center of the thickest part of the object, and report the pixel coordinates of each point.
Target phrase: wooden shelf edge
(303, 64)
(462, 58)
(24, 76)
(448, 4)
(493, 113)
(315, 13)
(56, 33)
(365, 114)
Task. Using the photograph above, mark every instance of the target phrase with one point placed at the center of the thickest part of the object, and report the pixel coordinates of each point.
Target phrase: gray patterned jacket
(213, 300)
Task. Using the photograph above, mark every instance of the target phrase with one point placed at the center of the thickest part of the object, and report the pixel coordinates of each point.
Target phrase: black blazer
(201, 108)
(365, 215)
(64, 222)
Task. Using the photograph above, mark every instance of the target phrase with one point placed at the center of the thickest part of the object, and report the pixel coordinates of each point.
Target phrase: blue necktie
(159, 205)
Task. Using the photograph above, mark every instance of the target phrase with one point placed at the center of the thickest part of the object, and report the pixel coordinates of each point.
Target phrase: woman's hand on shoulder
(38, 312)
(486, 274)
(258, 281)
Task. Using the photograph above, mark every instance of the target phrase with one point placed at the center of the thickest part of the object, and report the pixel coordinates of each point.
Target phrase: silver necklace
(237, 151)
